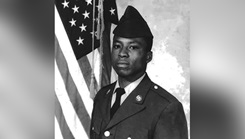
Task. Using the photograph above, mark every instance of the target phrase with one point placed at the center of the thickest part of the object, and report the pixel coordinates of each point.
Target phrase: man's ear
(148, 56)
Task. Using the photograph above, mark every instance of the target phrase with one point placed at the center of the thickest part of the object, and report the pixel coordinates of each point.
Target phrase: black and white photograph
(122, 69)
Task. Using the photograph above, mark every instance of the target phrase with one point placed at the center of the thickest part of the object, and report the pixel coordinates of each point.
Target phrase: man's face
(129, 57)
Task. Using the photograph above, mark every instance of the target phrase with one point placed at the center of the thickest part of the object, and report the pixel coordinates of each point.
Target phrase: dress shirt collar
(129, 88)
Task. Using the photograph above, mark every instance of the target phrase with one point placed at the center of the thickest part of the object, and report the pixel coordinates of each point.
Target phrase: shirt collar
(129, 88)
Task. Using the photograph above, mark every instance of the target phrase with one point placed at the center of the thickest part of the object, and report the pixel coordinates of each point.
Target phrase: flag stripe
(72, 63)
(106, 56)
(97, 64)
(58, 134)
(59, 117)
(69, 113)
(86, 70)
(71, 88)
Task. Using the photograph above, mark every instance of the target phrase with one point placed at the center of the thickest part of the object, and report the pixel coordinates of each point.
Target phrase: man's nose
(123, 52)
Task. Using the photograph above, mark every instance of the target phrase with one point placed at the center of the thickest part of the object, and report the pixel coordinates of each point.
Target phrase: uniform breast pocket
(140, 133)
(95, 129)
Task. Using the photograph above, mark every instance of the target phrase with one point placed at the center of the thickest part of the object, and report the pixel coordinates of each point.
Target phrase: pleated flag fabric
(82, 61)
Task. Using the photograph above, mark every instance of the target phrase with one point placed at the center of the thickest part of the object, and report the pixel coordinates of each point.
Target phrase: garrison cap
(132, 25)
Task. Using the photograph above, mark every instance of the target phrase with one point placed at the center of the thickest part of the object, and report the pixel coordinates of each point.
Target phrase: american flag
(81, 26)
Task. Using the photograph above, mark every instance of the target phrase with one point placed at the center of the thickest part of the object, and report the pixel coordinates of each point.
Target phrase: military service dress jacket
(149, 112)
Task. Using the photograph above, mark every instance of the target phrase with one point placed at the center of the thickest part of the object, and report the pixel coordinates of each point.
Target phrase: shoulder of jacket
(104, 90)
(163, 93)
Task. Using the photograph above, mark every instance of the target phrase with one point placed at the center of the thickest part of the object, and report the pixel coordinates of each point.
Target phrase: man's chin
(122, 73)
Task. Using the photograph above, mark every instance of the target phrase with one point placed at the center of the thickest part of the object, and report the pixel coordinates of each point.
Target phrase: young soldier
(134, 107)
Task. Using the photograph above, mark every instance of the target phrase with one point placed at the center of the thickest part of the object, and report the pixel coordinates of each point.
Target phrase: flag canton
(77, 18)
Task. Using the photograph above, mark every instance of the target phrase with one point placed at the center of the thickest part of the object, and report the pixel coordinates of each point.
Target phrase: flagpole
(92, 87)
(102, 27)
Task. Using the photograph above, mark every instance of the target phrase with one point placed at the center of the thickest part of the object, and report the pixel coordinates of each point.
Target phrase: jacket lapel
(133, 103)
(106, 104)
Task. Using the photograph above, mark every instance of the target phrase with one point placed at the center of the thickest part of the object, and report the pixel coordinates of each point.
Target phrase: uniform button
(92, 128)
(129, 138)
(156, 87)
(107, 133)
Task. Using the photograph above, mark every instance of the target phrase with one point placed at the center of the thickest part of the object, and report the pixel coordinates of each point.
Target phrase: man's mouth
(122, 64)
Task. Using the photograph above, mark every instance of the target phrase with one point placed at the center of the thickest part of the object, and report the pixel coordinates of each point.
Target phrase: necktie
(116, 105)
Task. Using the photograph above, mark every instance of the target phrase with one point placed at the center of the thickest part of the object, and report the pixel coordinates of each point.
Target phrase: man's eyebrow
(135, 42)
(117, 41)
(130, 42)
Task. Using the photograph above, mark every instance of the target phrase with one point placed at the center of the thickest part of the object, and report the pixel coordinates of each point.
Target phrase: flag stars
(83, 28)
(80, 41)
(75, 9)
(112, 11)
(65, 4)
(89, 2)
(86, 15)
(73, 22)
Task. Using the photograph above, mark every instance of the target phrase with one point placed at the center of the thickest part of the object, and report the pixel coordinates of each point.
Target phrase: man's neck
(123, 82)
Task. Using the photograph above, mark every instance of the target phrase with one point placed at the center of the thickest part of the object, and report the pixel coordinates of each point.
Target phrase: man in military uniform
(134, 107)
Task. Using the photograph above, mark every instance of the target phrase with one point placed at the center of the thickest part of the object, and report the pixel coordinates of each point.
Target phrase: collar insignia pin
(108, 91)
(138, 98)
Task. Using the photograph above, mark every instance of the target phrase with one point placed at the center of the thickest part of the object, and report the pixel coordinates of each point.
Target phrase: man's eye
(115, 46)
(133, 47)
